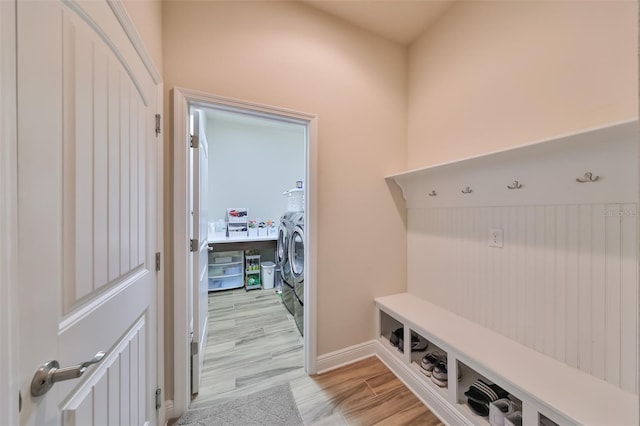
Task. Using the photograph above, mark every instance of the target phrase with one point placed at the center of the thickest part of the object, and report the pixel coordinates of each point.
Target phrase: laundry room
(247, 199)
(256, 170)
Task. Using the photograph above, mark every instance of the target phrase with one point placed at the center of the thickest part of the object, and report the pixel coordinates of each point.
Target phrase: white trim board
(183, 99)
(342, 357)
(160, 302)
(8, 215)
(125, 21)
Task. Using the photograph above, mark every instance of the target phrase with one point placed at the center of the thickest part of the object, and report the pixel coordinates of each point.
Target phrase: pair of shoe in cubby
(490, 400)
(434, 365)
(417, 343)
(505, 412)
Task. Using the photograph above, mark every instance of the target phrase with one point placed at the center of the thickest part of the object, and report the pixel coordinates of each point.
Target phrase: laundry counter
(242, 242)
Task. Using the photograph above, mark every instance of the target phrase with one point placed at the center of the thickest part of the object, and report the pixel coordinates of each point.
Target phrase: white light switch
(496, 237)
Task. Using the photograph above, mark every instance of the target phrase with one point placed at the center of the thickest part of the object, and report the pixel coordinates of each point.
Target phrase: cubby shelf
(546, 387)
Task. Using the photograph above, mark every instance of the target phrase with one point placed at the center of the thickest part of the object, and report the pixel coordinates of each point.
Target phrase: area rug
(273, 406)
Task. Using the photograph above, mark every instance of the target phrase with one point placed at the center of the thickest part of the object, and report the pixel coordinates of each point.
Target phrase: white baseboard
(345, 356)
(434, 401)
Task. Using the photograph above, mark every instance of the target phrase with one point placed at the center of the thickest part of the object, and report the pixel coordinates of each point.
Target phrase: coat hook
(588, 177)
(467, 190)
(515, 185)
(433, 193)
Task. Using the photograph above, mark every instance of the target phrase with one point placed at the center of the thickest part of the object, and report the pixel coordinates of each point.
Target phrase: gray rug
(273, 406)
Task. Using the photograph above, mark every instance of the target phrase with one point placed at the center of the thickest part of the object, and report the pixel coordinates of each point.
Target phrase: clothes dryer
(297, 265)
(285, 229)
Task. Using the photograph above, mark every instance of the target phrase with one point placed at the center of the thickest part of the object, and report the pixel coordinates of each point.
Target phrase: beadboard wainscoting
(565, 280)
(565, 283)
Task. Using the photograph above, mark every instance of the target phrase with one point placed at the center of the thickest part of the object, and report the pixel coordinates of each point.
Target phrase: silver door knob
(50, 373)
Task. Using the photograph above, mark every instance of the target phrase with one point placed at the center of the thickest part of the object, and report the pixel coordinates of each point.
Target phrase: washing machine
(285, 229)
(296, 265)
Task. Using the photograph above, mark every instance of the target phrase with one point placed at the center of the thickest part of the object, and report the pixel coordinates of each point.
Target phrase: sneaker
(429, 361)
(439, 375)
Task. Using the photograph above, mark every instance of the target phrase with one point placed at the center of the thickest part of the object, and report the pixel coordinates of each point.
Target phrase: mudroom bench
(548, 391)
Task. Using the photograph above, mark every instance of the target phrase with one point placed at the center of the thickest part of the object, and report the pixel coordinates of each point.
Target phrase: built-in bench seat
(548, 390)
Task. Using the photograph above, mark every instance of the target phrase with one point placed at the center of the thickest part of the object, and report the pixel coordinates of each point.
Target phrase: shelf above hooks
(534, 174)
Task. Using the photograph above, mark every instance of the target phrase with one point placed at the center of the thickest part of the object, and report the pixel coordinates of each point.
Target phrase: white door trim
(8, 215)
(182, 100)
(162, 412)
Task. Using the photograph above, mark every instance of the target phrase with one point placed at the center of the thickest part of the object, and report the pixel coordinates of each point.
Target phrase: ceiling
(402, 21)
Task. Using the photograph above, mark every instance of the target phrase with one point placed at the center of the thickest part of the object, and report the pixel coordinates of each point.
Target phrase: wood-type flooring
(253, 344)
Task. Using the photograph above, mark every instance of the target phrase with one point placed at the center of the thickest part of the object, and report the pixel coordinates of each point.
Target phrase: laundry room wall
(290, 55)
(252, 161)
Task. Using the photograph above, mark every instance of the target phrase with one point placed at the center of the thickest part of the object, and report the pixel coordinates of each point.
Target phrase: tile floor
(253, 344)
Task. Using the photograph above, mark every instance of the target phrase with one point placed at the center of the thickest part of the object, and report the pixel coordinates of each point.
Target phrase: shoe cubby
(425, 359)
(473, 388)
(533, 382)
(388, 325)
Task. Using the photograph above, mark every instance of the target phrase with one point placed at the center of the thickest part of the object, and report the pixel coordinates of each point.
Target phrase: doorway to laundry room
(249, 177)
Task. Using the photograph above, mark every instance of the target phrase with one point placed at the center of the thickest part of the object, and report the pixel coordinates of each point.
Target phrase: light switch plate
(496, 237)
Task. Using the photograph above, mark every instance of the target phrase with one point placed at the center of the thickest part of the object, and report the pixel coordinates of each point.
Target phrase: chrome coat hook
(467, 190)
(515, 185)
(588, 177)
(433, 193)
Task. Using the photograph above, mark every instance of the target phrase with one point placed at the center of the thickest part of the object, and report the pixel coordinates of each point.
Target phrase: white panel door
(199, 225)
(87, 210)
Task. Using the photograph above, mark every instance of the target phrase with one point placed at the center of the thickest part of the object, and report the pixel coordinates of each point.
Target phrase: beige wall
(289, 55)
(486, 76)
(492, 75)
(147, 17)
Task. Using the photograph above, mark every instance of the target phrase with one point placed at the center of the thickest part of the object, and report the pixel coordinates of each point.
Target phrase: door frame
(183, 99)
(8, 214)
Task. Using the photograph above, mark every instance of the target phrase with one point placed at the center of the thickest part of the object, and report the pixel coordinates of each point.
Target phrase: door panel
(86, 203)
(200, 231)
(118, 376)
(85, 199)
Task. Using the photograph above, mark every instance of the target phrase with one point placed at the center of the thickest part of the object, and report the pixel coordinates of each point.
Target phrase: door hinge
(193, 245)
(19, 402)
(158, 119)
(194, 348)
(157, 261)
(194, 141)
(158, 398)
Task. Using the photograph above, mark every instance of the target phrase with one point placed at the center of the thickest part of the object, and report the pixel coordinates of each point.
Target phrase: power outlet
(496, 237)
